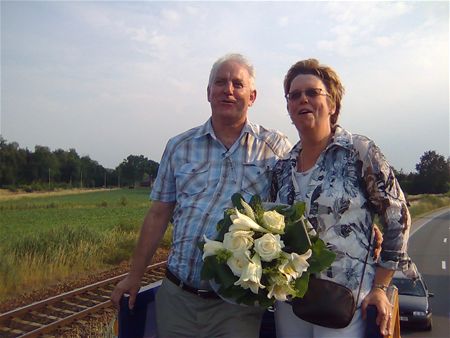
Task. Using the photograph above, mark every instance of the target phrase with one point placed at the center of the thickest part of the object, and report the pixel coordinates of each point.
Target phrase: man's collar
(207, 128)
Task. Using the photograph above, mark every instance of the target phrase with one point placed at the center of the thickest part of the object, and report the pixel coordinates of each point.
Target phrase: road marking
(443, 264)
(445, 240)
(418, 224)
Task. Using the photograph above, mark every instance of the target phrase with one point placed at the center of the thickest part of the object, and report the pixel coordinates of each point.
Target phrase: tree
(133, 169)
(12, 162)
(69, 162)
(433, 173)
(44, 164)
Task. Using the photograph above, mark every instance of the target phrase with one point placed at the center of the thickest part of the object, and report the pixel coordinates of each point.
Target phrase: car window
(409, 287)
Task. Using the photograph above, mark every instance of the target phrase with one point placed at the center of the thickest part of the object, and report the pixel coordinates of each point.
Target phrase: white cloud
(170, 16)
(123, 68)
(283, 21)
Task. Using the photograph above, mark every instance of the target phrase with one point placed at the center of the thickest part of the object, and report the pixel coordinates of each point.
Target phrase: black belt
(201, 293)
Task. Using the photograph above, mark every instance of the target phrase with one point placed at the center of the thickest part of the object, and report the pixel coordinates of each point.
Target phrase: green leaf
(296, 238)
(208, 266)
(321, 257)
(256, 204)
(224, 224)
(295, 212)
(224, 276)
(233, 292)
(301, 285)
(236, 200)
(201, 244)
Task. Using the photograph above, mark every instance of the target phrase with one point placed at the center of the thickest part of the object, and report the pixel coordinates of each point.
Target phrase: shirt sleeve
(164, 188)
(388, 200)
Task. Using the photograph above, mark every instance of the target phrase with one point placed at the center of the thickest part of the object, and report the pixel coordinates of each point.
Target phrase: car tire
(430, 326)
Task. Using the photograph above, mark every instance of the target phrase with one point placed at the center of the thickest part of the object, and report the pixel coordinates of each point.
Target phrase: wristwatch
(380, 286)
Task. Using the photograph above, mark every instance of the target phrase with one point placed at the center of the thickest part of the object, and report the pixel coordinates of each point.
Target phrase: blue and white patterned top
(349, 183)
(200, 175)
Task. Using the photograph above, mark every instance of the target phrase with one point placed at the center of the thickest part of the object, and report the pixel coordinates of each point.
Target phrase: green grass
(46, 239)
(423, 204)
(103, 210)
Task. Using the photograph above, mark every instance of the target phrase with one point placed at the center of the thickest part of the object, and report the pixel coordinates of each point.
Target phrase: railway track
(42, 318)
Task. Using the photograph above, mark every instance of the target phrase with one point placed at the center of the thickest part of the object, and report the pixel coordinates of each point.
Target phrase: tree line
(432, 176)
(43, 169)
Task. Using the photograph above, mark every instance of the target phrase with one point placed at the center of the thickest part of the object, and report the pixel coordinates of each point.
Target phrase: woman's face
(309, 104)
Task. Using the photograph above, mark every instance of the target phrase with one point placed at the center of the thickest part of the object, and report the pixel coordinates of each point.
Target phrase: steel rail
(65, 308)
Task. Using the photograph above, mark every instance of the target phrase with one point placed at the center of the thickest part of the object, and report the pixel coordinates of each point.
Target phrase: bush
(123, 201)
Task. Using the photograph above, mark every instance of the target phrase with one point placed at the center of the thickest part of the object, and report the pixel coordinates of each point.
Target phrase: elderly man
(200, 170)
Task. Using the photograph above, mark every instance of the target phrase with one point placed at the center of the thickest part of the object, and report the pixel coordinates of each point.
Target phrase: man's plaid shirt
(200, 175)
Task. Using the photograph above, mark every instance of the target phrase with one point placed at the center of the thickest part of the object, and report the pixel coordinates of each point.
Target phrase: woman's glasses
(310, 92)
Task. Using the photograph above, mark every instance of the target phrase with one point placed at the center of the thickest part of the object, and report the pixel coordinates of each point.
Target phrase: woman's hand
(378, 298)
(377, 242)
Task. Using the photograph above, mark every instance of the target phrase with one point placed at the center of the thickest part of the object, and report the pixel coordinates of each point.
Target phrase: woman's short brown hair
(328, 76)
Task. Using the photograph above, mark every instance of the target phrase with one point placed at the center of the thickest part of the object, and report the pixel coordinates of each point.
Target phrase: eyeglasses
(310, 92)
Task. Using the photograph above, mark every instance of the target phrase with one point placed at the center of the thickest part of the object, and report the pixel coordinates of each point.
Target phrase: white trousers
(288, 325)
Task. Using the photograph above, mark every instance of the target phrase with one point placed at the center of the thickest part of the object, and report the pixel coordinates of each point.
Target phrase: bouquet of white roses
(262, 255)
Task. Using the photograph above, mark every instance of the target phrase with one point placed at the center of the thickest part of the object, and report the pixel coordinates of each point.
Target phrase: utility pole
(49, 178)
(81, 178)
(104, 184)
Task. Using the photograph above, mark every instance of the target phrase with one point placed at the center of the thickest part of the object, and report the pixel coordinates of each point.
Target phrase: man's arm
(152, 231)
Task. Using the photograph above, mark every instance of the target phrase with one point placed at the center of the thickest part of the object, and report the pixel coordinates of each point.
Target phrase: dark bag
(326, 303)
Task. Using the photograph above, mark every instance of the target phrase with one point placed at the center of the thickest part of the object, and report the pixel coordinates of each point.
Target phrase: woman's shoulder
(362, 144)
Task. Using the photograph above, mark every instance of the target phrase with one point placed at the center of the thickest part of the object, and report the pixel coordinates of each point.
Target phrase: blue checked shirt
(200, 175)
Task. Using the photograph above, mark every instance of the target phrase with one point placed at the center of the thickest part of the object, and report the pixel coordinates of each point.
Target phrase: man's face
(230, 93)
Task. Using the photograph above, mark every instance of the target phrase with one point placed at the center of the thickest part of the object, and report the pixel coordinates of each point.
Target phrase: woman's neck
(312, 146)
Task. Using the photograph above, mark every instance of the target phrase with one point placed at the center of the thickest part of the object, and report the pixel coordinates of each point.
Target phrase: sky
(111, 78)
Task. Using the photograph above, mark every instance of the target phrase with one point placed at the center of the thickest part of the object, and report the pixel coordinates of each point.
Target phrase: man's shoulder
(274, 139)
(266, 133)
(186, 135)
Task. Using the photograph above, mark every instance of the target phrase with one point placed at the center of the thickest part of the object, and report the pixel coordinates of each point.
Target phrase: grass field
(49, 237)
(46, 238)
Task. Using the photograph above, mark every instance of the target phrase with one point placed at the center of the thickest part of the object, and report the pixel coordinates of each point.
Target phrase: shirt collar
(341, 138)
(207, 128)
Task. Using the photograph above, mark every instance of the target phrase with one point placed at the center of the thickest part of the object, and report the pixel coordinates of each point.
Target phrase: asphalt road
(429, 249)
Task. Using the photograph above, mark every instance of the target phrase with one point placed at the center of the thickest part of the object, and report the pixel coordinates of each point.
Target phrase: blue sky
(113, 78)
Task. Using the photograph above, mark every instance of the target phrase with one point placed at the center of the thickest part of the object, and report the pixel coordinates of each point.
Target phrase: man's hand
(128, 285)
(377, 243)
(152, 230)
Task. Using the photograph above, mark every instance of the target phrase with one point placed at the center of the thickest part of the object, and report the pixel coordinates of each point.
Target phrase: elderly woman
(344, 179)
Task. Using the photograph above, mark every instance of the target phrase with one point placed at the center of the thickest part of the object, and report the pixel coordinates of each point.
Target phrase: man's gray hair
(239, 58)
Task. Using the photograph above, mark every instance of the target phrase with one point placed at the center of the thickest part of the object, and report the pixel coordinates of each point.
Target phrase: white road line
(445, 240)
(444, 267)
(418, 224)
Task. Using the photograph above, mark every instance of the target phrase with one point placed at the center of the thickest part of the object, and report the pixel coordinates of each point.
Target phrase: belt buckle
(203, 293)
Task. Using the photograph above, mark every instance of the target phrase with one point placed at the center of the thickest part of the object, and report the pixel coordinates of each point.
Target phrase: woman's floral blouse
(350, 182)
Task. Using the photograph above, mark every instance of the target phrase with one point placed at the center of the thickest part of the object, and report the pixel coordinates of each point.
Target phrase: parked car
(415, 308)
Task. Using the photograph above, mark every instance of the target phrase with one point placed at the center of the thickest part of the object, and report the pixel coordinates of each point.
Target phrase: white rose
(269, 247)
(251, 275)
(274, 221)
(243, 222)
(211, 247)
(294, 265)
(237, 262)
(238, 241)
